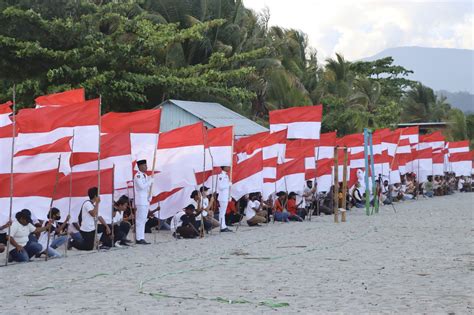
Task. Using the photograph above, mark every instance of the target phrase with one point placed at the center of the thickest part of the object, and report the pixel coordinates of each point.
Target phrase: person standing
(223, 190)
(142, 183)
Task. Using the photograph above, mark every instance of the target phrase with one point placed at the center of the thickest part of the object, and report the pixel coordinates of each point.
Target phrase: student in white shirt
(3, 235)
(89, 211)
(23, 248)
(253, 211)
(56, 237)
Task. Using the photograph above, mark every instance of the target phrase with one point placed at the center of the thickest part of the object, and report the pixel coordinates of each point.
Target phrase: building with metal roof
(177, 113)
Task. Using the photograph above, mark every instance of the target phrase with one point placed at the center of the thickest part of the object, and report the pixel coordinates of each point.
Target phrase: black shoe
(123, 243)
(105, 247)
(142, 242)
(226, 230)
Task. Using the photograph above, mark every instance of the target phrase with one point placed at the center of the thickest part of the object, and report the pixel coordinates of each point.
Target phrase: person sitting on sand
(359, 202)
(120, 227)
(56, 236)
(232, 216)
(207, 204)
(187, 226)
(280, 212)
(253, 211)
(87, 216)
(23, 247)
(294, 214)
(428, 187)
(196, 201)
(3, 235)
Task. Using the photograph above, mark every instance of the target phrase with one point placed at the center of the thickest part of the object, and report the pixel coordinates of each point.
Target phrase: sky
(362, 28)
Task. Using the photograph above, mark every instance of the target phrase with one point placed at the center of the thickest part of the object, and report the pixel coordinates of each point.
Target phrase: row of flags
(60, 145)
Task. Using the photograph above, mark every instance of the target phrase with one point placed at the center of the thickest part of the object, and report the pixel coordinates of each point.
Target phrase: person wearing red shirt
(232, 215)
(281, 213)
(293, 208)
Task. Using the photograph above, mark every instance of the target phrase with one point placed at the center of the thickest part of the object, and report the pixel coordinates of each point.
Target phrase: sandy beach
(417, 260)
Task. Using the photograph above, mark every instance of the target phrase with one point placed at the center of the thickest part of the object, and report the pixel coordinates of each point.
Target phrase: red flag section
(62, 99)
(39, 184)
(61, 145)
(143, 121)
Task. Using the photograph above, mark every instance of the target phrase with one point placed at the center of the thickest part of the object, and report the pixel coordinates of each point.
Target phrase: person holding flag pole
(223, 190)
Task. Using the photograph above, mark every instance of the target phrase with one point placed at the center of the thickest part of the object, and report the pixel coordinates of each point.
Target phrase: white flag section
(219, 142)
(6, 139)
(46, 125)
(423, 164)
(301, 122)
(247, 176)
(171, 202)
(458, 146)
(324, 177)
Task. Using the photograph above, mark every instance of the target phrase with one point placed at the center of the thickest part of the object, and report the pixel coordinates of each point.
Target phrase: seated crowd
(30, 237)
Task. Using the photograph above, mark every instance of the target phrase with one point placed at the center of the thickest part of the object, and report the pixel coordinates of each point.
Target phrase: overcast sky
(359, 28)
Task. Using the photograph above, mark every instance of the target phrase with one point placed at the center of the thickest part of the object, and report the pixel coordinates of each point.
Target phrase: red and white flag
(438, 162)
(291, 176)
(219, 141)
(6, 138)
(5, 112)
(355, 142)
(46, 125)
(301, 122)
(458, 146)
(390, 142)
(461, 163)
(32, 191)
(410, 133)
(324, 176)
(434, 140)
(44, 157)
(66, 98)
(423, 164)
(247, 176)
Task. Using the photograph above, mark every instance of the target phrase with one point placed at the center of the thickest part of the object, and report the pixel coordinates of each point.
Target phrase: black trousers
(87, 242)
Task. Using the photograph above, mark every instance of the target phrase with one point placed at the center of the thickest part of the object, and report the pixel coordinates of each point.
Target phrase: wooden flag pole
(96, 218)
(344, 185)
(11, 171)
(51, 207)
(112, 212)
(315, 184)
(336, 186)
(70, 193)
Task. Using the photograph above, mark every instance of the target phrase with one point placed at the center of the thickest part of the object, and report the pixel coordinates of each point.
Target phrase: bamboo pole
(336, 186)
(112, 208)
(70, 193)
(366, 173)
(11, 171)
(96, 218)
(51, 206)
(315, 184)
(344, 185)
(372, 167)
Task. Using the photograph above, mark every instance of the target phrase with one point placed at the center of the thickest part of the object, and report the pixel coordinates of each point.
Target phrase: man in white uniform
(142, 202)
(223, 189)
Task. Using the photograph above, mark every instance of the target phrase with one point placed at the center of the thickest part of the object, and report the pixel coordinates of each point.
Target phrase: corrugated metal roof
(219, 116)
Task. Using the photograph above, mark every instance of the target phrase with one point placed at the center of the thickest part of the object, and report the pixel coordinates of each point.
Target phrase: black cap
(190, 207)
(203, 188)
(141, 162)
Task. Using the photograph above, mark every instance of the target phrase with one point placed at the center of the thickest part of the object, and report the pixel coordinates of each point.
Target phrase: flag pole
(204, 136)
(51, 207)
(366, 175)
(96, 218)
(113, 200)
(316, 182)
(344, 186)
(372, 167)
(336, 185)
(70, 191)
(131, 206)
(11, 172)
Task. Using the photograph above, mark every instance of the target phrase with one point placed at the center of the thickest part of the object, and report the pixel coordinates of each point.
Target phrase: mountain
(448, 71)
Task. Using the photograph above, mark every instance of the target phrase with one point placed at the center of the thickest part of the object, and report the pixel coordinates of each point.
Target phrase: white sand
(419, 260)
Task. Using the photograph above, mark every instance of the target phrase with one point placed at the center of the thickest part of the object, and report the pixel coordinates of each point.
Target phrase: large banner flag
(46, 125)
(81, 182)
(66, 98)
(423, 164)
(461, 163)
(390, 142)
(179, 156)
(410, 133)
(433, 140)
(44, 157)
(458, 146)
(32, 191)
(355, 142)
(301, 122)
(115, 150)
(291, 176)
(5, 112)
(219, 141)
(247, 176)
(325, 147)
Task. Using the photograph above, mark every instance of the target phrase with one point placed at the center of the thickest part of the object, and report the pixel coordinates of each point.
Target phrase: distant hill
(446, 70)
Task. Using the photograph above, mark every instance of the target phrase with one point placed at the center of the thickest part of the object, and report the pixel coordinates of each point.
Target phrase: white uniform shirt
(43, 239)
(142, 188)
(20, 232)
(176, 221)
(223, 187)
(250, 209)
(88, 223)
